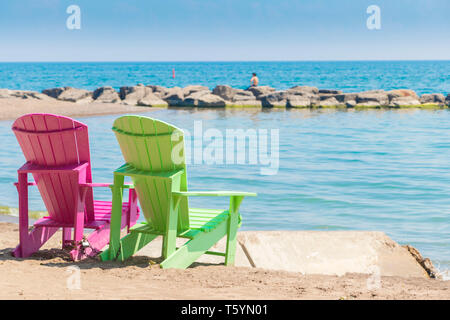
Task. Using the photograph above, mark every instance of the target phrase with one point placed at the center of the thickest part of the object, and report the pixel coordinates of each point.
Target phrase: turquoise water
(355, 170)
(349, 76)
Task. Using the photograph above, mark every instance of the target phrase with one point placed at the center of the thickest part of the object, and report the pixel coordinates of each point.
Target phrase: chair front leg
(78, 230)
(116, 216)
(170, 237)
(235, 202)
(22, 189)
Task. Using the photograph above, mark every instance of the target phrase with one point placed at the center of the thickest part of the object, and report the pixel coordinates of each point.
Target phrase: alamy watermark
(234, 146)
(374, 20)
(73, 22)
(73, 281)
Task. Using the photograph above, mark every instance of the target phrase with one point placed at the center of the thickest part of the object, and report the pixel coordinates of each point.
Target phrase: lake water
(349, 76)
(385, 170)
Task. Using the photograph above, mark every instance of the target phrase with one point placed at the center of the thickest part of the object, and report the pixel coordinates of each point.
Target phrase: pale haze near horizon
(224, 30)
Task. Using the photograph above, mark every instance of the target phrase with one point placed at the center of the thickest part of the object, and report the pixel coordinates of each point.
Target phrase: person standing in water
(254, 80)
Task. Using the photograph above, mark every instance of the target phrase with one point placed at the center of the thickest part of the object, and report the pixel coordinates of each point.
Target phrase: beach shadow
(60, 258)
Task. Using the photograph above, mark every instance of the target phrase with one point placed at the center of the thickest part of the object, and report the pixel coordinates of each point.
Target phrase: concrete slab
(329, 253)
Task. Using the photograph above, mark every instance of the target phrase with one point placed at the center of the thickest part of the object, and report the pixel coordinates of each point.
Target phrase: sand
(12, 108)
(45, 276)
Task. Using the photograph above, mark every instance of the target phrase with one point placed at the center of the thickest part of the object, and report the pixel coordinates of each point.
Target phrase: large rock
(447, 100)
(226, 92)
(346, 97)
(402, 93)
(106, 95)
(404, 101)
(328, 91)
(174, 96)
(303, 90)
(331, 101)
(262, 90)
(276, 99)
(372, 98)
(204, 99)
(297, 101)
(75, 95)
(194, 88)
(132, 95)
(152, 100)
(53, 92)
(159, 91)
(242, 95)
(434, 98)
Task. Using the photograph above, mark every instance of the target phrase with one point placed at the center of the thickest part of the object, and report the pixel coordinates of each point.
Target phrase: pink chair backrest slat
(50, 140)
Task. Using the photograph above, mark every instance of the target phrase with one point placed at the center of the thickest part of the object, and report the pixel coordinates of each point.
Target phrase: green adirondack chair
(154, 156)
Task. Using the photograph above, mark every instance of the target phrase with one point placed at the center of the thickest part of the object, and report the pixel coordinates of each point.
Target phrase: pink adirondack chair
(56, 149)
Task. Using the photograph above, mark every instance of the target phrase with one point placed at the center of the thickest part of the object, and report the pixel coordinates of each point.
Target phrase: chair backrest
(50, 140)
(148, 145)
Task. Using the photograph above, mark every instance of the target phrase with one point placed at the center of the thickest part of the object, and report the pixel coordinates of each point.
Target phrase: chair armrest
(29, 184)
(214, 193)
(35, 168)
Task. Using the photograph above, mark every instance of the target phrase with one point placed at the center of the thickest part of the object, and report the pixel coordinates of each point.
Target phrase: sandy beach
(12, 108)
(141, 278)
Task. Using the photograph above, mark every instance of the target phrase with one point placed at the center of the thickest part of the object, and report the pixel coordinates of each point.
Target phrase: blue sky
(205, 30)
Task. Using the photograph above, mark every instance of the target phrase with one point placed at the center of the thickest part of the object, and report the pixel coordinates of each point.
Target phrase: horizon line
(207, 61)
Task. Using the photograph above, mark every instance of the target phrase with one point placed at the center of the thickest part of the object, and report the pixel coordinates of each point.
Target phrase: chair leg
(230, 254)
(193, 249)
(231, 240)
(66, 237)
(116, 216)
(129, 245)
(78, 230)
(34, 241)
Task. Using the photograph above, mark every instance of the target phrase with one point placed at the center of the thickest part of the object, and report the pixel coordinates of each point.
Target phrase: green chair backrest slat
(147, 145)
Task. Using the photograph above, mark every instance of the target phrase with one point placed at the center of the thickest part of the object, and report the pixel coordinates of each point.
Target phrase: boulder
(372, 98)
(132, 95)
(404, 101)
(433, 98)
(210, 100)
(447, 100)
(194, 88)
(53, 92)
(297, 101)
(274, 99)
(401, 93)
(204, 99)
(159, 91)
(106, 95)
(346, 97)
(226, 92)
(260, 91)
(331, 102)
(328, 91)
(151, 100)
(75, 95)
(303, 90)
(174, 96)
(242, 95)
